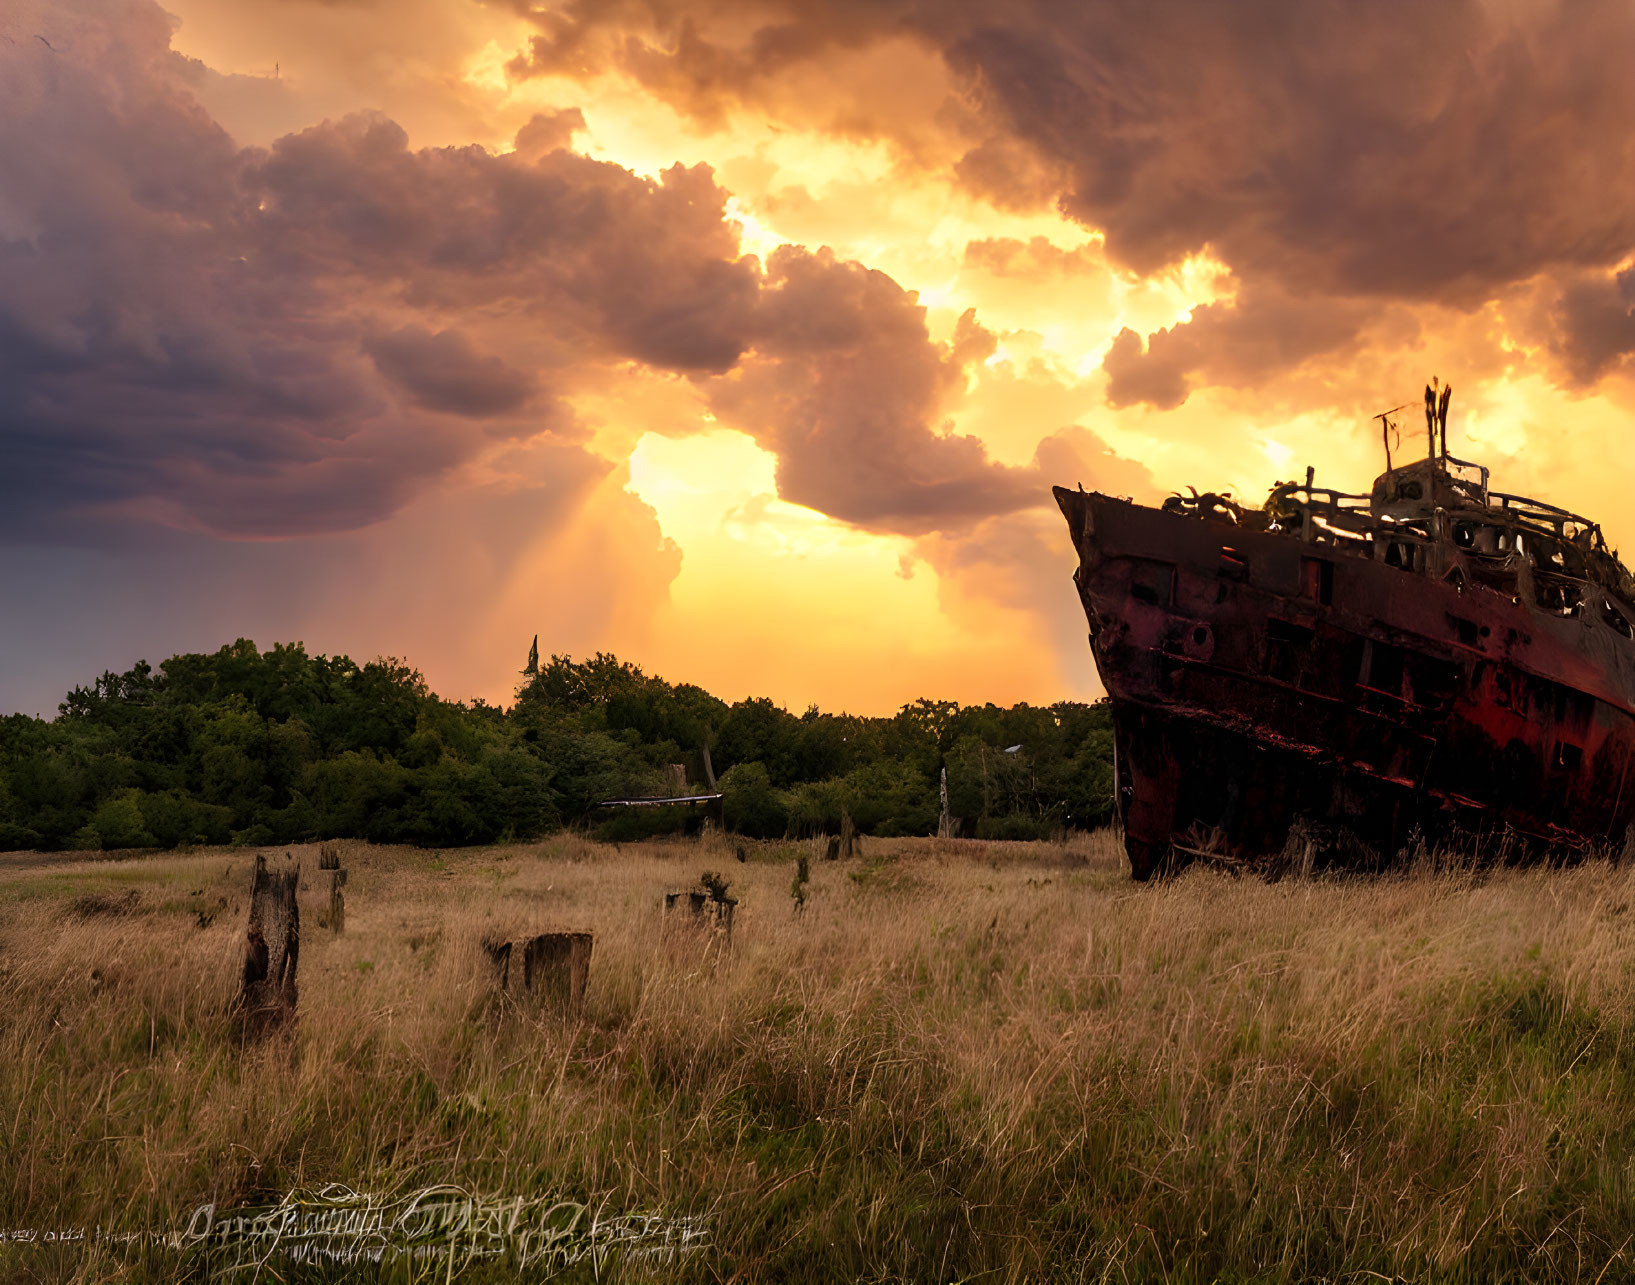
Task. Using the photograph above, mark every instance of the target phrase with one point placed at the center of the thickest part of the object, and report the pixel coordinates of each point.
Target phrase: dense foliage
(278, 746)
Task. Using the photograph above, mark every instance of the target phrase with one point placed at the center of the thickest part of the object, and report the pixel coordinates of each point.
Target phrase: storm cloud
(844, 386)
(1346, 156)
(298, 338)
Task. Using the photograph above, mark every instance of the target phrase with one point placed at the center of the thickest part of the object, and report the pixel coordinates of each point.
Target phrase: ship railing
(1322, 524)
(1326, 497)
(1321, 515)
(1559, 541)
(1293, 500)
(1542, 517)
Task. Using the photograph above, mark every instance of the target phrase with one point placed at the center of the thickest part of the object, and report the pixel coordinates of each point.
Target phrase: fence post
(329, 860)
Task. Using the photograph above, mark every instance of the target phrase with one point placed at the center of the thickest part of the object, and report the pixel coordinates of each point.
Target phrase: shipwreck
(1357, 675)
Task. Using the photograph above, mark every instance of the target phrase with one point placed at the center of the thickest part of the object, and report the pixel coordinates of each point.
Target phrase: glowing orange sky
(680, 554)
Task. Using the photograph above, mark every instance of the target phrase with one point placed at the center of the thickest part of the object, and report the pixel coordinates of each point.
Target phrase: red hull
(1257, 678)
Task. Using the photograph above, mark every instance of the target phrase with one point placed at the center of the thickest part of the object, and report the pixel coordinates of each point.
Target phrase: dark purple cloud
(299, 338)
(612, 265)
(442, 371)
(257, 342)
(1595, 324)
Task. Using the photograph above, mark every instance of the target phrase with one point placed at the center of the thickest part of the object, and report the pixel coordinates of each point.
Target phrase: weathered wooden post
(555, 969)
(272, 950)
(797, 890)
(329, 860)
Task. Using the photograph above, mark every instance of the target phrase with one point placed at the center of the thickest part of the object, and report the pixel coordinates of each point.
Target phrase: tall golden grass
(960, 1061)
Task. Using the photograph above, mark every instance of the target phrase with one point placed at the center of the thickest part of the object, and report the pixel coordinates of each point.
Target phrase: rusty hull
(1256, 678)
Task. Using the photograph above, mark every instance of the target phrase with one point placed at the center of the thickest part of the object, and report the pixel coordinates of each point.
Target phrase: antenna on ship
(1387, 427)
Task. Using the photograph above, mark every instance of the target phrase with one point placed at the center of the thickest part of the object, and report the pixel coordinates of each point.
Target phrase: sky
(745, 338)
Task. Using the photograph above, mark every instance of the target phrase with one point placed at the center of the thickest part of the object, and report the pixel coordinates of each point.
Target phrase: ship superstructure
(1434, 656)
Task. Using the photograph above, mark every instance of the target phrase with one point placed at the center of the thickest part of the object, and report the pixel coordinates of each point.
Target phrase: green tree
(118, 822)
(751, 805)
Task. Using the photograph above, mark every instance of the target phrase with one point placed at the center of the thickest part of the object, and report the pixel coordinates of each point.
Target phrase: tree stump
(698, 908)
(555, 968)
(272, 948)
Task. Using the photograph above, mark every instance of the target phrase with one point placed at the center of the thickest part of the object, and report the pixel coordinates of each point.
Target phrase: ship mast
(1436, 419)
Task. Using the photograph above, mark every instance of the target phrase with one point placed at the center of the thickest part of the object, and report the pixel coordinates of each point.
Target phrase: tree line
(264, 747)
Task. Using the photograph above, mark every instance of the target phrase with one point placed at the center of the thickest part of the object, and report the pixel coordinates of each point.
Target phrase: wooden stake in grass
(329, 862)
(272, 947)
(337, 902)
(797, 890)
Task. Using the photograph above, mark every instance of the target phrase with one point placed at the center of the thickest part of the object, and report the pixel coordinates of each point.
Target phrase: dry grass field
(961, 1062)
